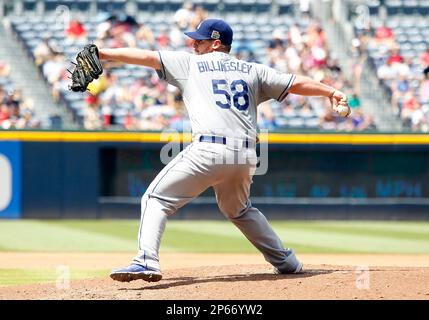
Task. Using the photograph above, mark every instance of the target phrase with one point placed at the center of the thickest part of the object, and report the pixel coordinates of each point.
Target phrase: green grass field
(12, 277)
(372, 237)
(214, 236)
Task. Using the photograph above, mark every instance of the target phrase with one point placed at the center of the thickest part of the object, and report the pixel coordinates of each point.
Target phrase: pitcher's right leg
(253, 224)
(232, 195)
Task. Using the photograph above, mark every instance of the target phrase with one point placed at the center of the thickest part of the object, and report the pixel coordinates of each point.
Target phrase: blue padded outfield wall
(60, 180)
(10, 179)
(310, 176)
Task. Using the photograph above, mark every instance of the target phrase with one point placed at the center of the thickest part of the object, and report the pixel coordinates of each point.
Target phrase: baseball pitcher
(221, 94)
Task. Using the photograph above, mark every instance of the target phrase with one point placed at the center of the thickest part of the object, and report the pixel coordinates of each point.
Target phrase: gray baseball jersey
(221, 94)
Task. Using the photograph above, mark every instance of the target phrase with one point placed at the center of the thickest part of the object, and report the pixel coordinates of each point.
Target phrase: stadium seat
(410, 7)
(111, 5)
(312, 122)
(231, 6)
(393, 7)
(373, 6)
(296, 122)
(29, 5)
(209, 5)
(285, 6)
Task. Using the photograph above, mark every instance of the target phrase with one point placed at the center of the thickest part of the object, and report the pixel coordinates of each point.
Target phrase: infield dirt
(231, 276)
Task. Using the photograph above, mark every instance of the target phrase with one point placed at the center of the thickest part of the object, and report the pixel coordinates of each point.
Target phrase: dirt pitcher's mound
(246, 282)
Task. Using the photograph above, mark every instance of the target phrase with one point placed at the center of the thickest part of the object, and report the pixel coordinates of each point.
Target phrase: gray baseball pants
(199, 166)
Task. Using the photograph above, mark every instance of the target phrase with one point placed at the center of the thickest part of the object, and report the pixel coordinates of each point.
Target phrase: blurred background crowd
(398, 49)
(15, 111)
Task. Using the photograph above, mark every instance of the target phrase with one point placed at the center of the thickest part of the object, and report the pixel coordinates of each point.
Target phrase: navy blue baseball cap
(212, 29)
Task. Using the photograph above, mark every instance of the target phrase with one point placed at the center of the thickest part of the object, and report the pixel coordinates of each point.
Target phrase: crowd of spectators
(147, 103)
(305, 51)
(404, 77)
(15, 111)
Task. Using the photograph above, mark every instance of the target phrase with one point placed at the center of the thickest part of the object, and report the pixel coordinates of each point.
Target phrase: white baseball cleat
(291, 264)
(135, 272)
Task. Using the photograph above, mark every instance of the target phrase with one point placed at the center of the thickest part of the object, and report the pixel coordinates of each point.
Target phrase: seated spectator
(399, 88)
(185, 15)
(276, 51)
(13, 116)
(424, 58)
(153, 122)
(318, 57)
(179, 121)
(305, 111)
(177, 38)
(295, 36)
(53, 68)
(288, 109)
(15, 111)
(265, 117)
(103, 29)
(3, 95)
(163, 39)
(354, 101)
(293, 59)
(4, 69)
(244, 48)
(122, 35)
(384, 36)
(277, 41)
(394, 68)
(44, 51)
(145, 37)
(329, 120)
(76, 30)
(409, 106)
(386, 71)
(360, 120)
(107, 116)
(129, 121)
(307, 58)
(304, 8)
(27, 120)
(370, 122)
(420, 119)
(200, 14)
(395, 56)
(316, 36)
(334, 66)
(4, 112)
(424, 87)
(91, 115)
(266, 121)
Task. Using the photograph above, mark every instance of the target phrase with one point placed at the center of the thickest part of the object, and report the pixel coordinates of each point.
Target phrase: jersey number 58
(239, 90)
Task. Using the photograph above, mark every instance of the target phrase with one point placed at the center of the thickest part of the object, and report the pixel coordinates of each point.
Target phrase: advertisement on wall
(10, 180)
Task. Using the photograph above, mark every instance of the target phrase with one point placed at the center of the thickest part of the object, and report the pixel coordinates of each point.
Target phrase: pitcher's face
(203, 46)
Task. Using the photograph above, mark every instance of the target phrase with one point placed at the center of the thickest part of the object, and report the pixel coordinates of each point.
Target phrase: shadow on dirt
(185, 281)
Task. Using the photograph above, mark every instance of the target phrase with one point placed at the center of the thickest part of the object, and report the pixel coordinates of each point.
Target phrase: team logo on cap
(215, 34)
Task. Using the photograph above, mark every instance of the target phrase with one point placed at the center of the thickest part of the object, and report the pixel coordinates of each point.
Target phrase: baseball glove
(87, 68)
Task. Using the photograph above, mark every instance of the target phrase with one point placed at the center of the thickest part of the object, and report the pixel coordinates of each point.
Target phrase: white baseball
(342, 110)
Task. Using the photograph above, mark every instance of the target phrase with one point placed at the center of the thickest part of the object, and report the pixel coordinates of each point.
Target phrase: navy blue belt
(213, 139)
(222, 140)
